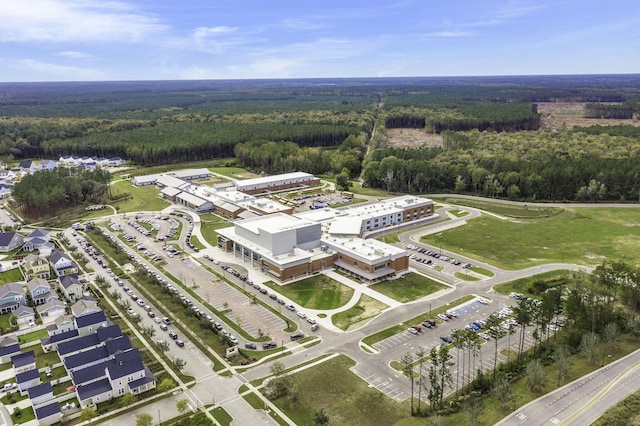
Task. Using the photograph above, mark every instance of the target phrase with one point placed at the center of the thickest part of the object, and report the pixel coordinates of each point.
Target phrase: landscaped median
(393, 330)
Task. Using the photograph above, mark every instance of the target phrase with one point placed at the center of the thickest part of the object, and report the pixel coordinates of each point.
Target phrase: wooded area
(490, 127)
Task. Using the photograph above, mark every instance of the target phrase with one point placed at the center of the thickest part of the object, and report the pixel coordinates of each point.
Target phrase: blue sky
(80, 40)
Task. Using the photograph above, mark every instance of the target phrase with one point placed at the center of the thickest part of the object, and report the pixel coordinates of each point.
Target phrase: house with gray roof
(48, 414)
(41, 393)
(10, 241)
(71, 287)
(62, 264)
(34, 266)
(90, 323)
(53, 309)
(51, 343)
(24, 314)
(84, 307)
(24, 361)
(9, 351)
(5, 190)
(11, 296)
(40, 291)
(27, 379)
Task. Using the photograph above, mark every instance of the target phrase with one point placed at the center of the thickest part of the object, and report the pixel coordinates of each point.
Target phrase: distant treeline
(526, 165)
(623, 111)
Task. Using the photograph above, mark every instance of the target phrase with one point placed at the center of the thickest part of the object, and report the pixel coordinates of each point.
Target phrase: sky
(98, 40)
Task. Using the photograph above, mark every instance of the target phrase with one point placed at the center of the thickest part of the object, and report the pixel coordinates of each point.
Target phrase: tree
(610, 335)
(420, 353)
(320, 417)
(179, 364)
(144, 419)
(163, 345)
(535, 374)
(502, 390)
(496, 332)
(342, 181)
(407, 368)
(127, 399)
(458, 337)
(294, 395)
(589, 345)
(182, 405)
(149, 331)
(474, 406)
(165, 385)
(88, 414)
(562, 360)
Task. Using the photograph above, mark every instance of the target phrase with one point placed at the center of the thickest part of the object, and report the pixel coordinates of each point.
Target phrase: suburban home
(27, 166)
(40, 291)
(24, 314)
(48, 414)
(24, 362)
(62, 264)
(35, 266)
(84, 307)
(11, 296)
(9, 351)
(7, 176)
(41, 393)
(52, 342)
(5, 190)
(98, 354)
(27, 379)
(36, 240)
(61, 325)
(71, 287)
(115, 161)
(47, 165)
(53, 309)
(90, 323)
(10, 241)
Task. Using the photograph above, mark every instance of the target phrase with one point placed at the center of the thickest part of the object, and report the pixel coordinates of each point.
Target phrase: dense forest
(493, 143)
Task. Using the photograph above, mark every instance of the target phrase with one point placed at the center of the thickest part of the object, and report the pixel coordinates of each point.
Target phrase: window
(355, 263)
(130, 379)
(120, 391)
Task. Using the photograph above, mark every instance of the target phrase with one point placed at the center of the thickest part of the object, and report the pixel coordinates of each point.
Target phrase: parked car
(297, 336)
(173, 335)
(180, 343)
(412, 330)
(269, 345)
(446, 339)
(251, 346)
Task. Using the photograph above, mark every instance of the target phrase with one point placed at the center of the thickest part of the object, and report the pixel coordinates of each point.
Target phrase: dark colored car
(446, 339)
(250, 346)
(269, 345)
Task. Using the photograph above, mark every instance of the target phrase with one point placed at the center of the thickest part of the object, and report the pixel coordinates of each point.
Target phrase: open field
(317, 292)
(580, 236)
(508, 210)
(209, 225)
(145, 198)
(366, 309)
(522, 285)
(346, 398)
(412, 138)
(571, 114)
(409, 287)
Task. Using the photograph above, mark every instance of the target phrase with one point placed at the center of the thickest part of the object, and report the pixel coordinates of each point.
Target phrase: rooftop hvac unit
(323, 247)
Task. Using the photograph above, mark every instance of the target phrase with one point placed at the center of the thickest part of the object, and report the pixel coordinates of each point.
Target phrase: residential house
(24, 362)
(40, 291)
(24, 314)
(9, 351)
(6, 190)
(11, 296)
(115, 162)
(71, 287)
(41, 393)
(10, 241)
(27, 167)
(84, 307)
(79, 344)
(62, 264)
(35, 266)
(90, 323)
(7, 176)
(47, 165)
(53, 309)
(36, 239)
(52, 342)
(101, 162)
(49, 414)
(27, 379)
(61, 325)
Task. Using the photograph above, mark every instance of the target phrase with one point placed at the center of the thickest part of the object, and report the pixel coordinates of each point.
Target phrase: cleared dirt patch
(412, 138)
(571, 114)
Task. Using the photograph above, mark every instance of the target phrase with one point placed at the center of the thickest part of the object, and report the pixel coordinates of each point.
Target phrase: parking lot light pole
(429, 310)
(282, 347)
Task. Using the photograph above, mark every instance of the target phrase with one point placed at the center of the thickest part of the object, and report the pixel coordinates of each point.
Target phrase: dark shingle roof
(120, 344)
(47, 410)
(69, 280)
(11, 349)
(90, 319)
(89, 374)
(21, 360)
(86, 357)
(93, 389)
(78, 344)
(125, 363)
(71, 334)
(27, 376)
(148, 378)
(40, 390)
(57, 255)
(109, 332)
(6, 238)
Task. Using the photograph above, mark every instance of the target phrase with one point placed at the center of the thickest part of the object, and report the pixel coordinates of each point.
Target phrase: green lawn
(522, 285)
(10, 276)
(231, 171)
(581, 236)
(408, 287)
(465, 276)
(366, 308)
(509, 210)
(34, 335)
(5, 321)
(209, 226)
(347, 399)
(481, 271)
(626, 412)
(317, 292)
(142, 198)
(222, 417)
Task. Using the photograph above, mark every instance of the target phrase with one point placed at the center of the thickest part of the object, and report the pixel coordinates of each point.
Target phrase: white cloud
(72, 54)
(203, 32)
(74, 20)
(34, 70)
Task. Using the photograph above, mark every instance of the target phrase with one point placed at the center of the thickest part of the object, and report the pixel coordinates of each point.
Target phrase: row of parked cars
(434, 255)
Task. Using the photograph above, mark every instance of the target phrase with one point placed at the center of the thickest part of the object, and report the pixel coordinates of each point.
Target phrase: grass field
(581, 236)
(346, 399)
(520, 286)
(5, 321)
(209, 226)
(145, 198)
(408, 287)
(34, 335)
(317, 292)
(626, 412)
(508, 210)
(10, 276)
(366, 308)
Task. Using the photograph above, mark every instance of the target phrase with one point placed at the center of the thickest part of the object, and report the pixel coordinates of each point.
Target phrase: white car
(412, 330)
(302, 315)
(311, 320)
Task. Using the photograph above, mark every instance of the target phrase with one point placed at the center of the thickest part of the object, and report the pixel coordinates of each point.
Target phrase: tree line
(623, 111)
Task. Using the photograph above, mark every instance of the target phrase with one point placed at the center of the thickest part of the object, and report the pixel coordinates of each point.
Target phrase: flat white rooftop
(261, 181)
(274, 223)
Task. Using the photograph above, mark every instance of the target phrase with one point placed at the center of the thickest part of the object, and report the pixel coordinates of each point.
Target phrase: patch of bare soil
(412, 138)
(571, 114)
